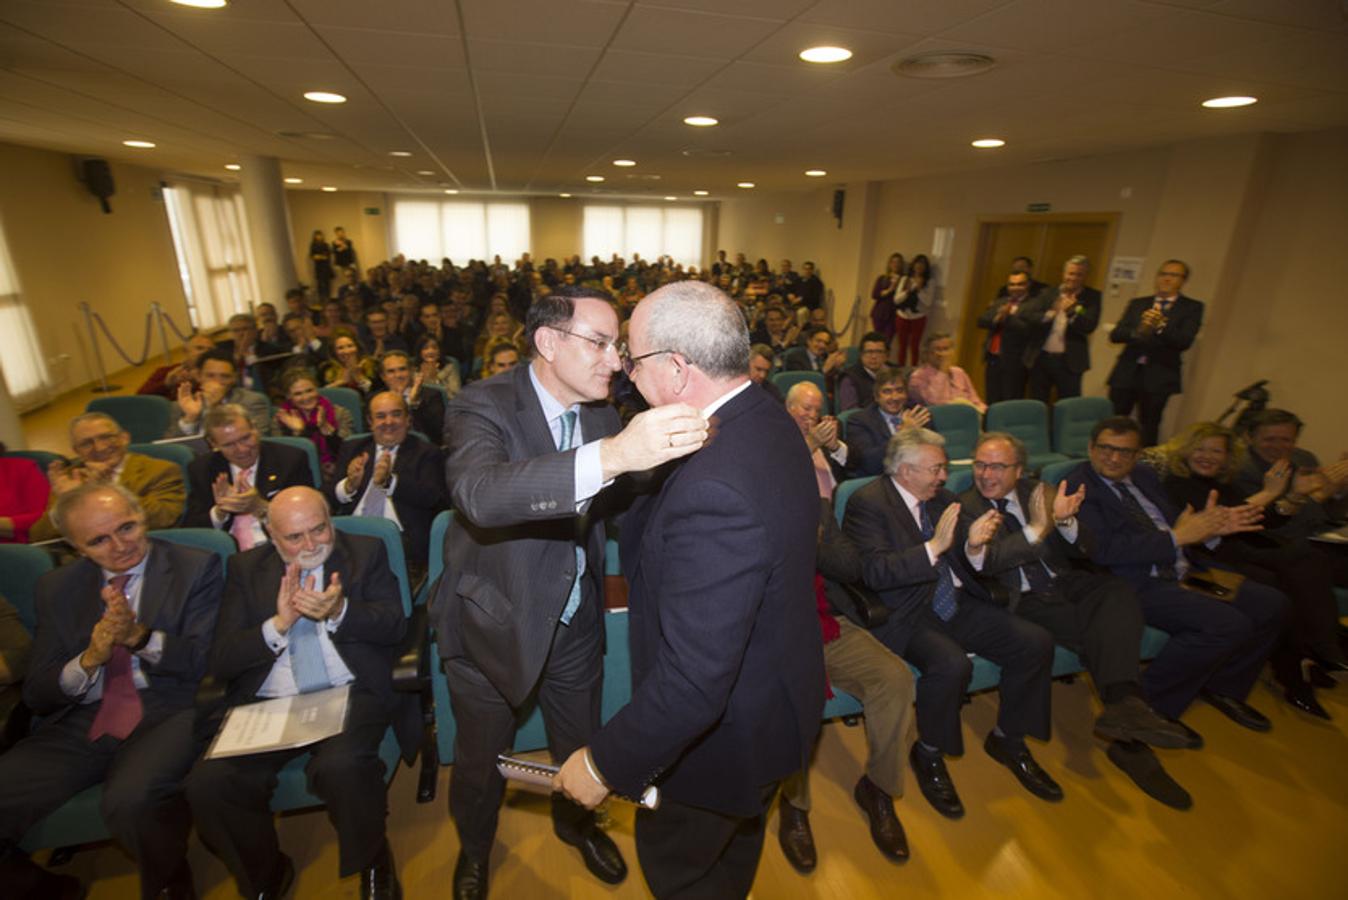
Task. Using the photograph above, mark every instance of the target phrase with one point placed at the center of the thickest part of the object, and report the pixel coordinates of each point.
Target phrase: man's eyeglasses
(931, 470)
(1111, 450)
(603, 345)
(631, 362)
(994, 468)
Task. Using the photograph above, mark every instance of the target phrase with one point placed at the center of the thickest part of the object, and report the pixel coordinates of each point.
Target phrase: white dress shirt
(80, 685)
(281, 680)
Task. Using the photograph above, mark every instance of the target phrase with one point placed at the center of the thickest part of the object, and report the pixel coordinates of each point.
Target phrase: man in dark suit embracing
(727, 659)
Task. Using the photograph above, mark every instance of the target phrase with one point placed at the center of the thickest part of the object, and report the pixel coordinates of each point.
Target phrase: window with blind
(215, 259)
(459, 229)
(21, 360)
(652, 231)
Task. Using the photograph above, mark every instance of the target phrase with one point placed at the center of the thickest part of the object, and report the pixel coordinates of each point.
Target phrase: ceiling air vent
(699, 153)
(943, 65)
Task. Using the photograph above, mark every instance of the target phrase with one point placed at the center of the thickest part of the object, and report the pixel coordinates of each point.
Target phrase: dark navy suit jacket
(1119, 542)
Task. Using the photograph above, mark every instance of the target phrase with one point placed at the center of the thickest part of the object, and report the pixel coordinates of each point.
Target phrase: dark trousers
(1004, 378)
(569, 696)
(1306, 575)
(1050, 373)
(1215, 645)
(1150, 408)
(1098, 618)
(938, 649)
(142, 776)
(691, 853)
(231, 798)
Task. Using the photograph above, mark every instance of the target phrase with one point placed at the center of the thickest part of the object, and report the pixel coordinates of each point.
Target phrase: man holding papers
(311, 610)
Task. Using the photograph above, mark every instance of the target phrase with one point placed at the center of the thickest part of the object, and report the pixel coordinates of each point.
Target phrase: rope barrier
(145, 350)
(155, 314)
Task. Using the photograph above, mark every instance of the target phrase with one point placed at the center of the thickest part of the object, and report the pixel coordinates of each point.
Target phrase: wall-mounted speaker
(97, 177)
(839, 196)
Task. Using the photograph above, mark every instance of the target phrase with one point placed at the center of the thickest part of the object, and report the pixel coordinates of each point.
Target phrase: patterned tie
(306, 653)
(375, 497)
(943, 600)
(1138, 513)
(573, 599)
(241, 529)
(120, 710)
(1036, 573)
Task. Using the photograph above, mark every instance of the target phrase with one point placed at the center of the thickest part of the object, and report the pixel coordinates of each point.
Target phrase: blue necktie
(306, 653)
(1040, 581)
(573, 599)
(943, 600)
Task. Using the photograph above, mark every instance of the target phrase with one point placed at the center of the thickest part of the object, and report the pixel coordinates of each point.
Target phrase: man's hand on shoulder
(653, 438)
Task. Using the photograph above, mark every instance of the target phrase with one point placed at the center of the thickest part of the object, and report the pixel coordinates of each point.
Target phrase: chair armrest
(15, 717)
(411, 667)
(868, 609)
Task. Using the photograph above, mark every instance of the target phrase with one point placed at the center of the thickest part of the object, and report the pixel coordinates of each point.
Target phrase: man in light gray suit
(531, 462)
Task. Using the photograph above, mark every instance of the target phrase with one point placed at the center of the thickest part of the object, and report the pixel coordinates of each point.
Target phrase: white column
(264, 199)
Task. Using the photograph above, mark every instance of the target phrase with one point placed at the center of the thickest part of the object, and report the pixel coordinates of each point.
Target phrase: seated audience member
(804, 401)
(501, 357)
(23, 497)
(1096, 616)
(219, 386)
(1216, 647)
(333, 317)
(1201, 460)
(349, 368)
(250, 353)
(939, 380)
(922, 560)
(458, 337)
(1059, 325)
(868, 431)
(15, 646)
(427, 407)
(120, 646)
(778, 330)
(813, 354)
(1006, 347)
(856, 387)
(268, 325)
(434, 369)
(308, 414)
(500, 327)
(100, 443)
(313, 609)
(428, 323)
(1313, 495)
(307, 349)
(232, 486)
(378, 336)
(760, 370)
(297, 304)
(395, 475)
(164, 380)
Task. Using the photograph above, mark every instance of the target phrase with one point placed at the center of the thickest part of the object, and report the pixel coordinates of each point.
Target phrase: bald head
(805, 403)
(300, 527)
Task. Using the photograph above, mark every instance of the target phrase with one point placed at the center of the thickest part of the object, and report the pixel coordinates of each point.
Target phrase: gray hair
(66, 503)
(904, 444)
(219, 416)
(1017, 445)
(701, 323)
(94, 417)
(1077, 260)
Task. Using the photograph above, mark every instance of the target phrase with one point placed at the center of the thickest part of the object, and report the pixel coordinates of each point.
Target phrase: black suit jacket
(1120, 543)
(278, 467)
(1077, 336)
(1161, 372)
(509, 553)
(797, 359)
(180, 597)
(417, 496)
(727, 659)
(1015, 345)
(867, 436)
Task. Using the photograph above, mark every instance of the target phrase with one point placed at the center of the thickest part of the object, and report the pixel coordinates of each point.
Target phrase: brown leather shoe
(793, 833)
(886, 829)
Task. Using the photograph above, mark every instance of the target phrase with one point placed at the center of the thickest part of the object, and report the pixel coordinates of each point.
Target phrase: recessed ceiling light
(294, 181)
(329, 188)
(744, 184)
(400, 153)
(671, 198)
(565, 196)
(701, 121)
(450, 191)
(826, 54)
(324, 97)
(594, 178)
(988, 143)
(815, 173)
(425, 172)
(700, 193)
(1229, 102)
(202, 4)
(233, 167)
(142, 145)
(625, 163)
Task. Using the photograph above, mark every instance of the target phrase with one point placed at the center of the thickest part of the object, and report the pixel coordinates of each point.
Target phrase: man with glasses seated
(1216, 647)
(100, 443)
(531, 462)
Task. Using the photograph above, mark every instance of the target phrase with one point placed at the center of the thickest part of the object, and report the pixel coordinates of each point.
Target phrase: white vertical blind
(215, 259)
(21, 362)
(460, 230)
(652, 231)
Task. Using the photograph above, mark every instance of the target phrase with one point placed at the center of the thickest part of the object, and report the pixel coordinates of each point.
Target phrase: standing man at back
(519, 610)
(1059, 327)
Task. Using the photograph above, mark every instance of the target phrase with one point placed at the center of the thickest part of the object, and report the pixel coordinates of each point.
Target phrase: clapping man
(219, 384)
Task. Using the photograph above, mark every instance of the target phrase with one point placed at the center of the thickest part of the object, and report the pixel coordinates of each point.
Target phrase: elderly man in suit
(1094, 615)
(1155, 331)
(395, 475)
(1058, 333)
(727, 664)
(310, 610)
(219, 386)
(121, 644)
(232, 486)
(868, 431)
(519, 610)
(923, 561)
(100, 443)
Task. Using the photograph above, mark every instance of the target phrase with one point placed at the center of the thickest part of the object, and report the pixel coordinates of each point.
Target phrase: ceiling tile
(704, 35)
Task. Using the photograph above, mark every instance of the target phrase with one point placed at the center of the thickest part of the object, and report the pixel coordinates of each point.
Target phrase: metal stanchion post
(102, 387)
(163, 335)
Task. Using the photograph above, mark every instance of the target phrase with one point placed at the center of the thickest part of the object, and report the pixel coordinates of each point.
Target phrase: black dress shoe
(470, 878)
(1131, 719)
(934, 780)
(379, 881)
(1239, 712)
(281, 882)
(886, 829)
(180, 886)
(1303, 698)
(1016, 756)
(1195, 740)
(24, 879)
(1318, 675)
(793, 833)
(1140, 764)
(601, 855)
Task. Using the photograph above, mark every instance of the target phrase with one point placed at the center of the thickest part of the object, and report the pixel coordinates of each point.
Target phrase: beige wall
(556, 227)
(314, 210)
(66, 250)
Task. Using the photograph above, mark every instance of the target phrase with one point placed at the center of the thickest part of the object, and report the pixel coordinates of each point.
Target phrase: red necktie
(120, 710)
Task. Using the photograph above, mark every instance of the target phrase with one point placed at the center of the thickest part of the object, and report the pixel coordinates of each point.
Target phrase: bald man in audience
(219, 384)
(828, 452)
(121, 644)
(101, 445)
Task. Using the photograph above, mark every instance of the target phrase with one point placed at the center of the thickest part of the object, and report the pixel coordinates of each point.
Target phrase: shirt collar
(552, 408)
(725, 398)
(136, 571)
(913, 504)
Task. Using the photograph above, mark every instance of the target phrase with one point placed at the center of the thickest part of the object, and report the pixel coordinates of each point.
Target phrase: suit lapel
(158, 586)
(87, 602)
(529, 410)
(267, 481)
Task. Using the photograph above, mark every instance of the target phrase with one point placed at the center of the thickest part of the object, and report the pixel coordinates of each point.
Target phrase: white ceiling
(533, 95)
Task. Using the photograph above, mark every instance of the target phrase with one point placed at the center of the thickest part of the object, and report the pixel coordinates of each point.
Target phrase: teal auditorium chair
(960, 481)
(20, 568)
(349, 399)
(842, 420)
(174, 453)
(1054, 473)
(784, 381)
(1027, 420)
(959, 424)
(844, 492)
(144, 416)
(1073, 419)
(853, 355)
(43, 458)
(310, 451)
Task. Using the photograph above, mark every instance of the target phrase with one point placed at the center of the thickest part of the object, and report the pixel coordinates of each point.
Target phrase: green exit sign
(1038, 207)
(371, 210)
